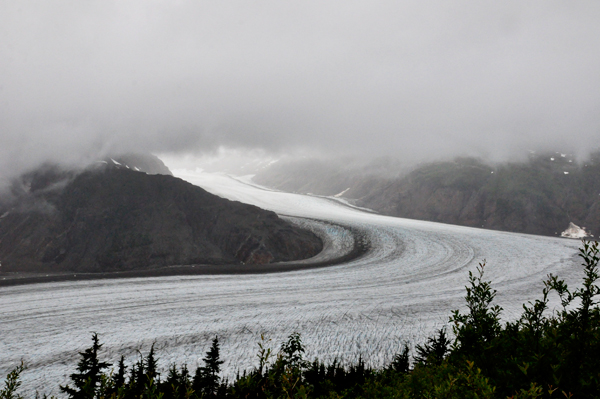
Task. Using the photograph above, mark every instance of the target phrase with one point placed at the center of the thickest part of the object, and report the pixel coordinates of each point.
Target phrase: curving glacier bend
(403, 288)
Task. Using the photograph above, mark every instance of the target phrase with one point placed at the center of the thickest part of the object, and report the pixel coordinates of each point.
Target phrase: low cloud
(414, 79)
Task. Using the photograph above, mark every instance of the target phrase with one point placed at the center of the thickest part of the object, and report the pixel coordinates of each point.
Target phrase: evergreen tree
(206, 380)
(137, 378)
(151, 366)
(89, 372)
(401, 362)
(434, 350)
(117, 381)
(177, 384)
(119, 378)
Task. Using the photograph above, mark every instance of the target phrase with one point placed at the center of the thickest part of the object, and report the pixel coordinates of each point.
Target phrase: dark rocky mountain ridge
(113, 218)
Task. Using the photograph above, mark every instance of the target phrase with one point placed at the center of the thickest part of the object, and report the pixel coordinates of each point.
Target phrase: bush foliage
(541, 355)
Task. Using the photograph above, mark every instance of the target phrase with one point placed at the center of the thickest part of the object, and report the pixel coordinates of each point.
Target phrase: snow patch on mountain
(574, 231)
(342, 193)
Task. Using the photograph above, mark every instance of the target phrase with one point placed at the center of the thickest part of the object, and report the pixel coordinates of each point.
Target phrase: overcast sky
(409, 78)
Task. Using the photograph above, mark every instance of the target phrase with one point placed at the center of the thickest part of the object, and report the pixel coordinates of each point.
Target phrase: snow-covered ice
(400, 290)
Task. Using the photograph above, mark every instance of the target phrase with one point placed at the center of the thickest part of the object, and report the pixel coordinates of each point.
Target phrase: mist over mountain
(113, 216)
(542, 195)
(415, 81)
(140, 162)
(420, 81)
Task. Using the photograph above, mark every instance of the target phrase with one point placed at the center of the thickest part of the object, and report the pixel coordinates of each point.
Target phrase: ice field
(403, 288)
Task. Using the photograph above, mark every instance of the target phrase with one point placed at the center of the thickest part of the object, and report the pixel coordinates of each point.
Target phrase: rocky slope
(113, 218)
(541, 196)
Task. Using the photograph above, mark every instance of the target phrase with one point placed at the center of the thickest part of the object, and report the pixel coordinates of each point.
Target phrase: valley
(399, 290)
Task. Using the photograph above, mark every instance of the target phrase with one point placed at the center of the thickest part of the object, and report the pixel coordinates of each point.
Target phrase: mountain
(541, 196)
(110, 217)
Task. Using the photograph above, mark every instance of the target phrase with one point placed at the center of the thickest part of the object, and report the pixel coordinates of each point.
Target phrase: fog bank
(417, 80)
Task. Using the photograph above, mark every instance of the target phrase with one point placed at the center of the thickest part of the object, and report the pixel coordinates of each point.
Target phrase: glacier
(399, 291)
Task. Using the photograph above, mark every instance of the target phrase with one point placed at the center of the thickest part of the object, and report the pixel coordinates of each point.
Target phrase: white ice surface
(403, 288)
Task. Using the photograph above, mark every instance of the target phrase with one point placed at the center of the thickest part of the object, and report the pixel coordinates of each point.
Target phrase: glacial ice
(400, 290)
